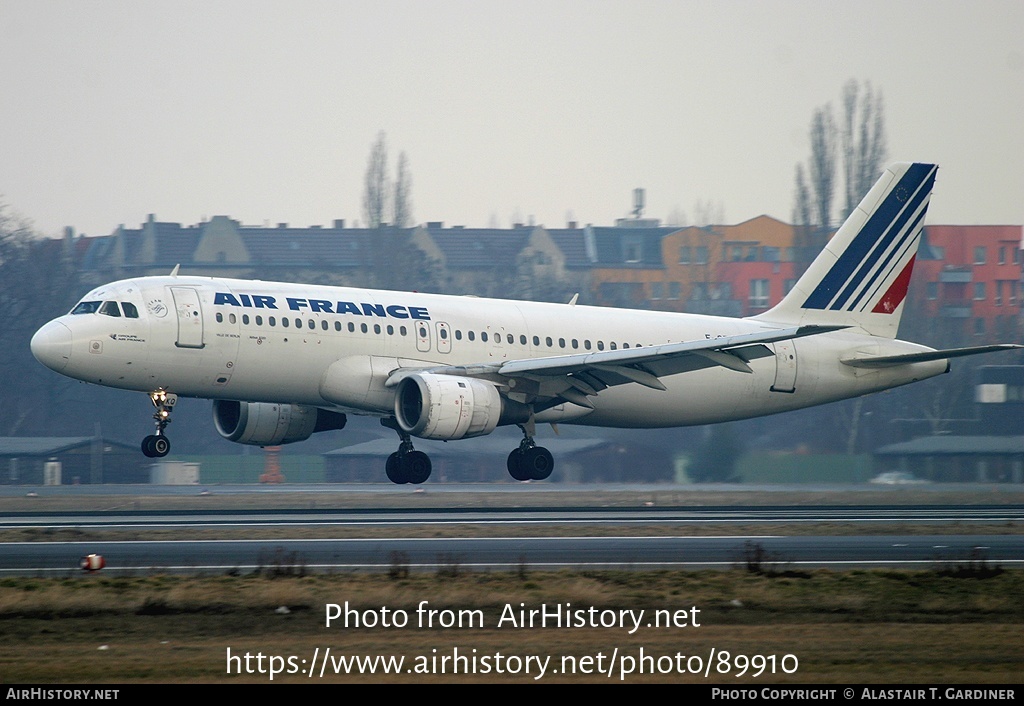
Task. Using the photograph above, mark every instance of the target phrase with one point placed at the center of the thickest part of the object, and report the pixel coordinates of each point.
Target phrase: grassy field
(952, 624)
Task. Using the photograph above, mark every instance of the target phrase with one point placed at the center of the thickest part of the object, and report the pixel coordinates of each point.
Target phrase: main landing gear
(529, 461)
(158, 445)
(407, 465)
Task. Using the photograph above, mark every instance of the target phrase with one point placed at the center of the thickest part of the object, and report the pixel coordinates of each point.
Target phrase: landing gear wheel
(407, 465)
(537, 462)
(395, 469)
(155, 446)
(516, 469)
(417, 467)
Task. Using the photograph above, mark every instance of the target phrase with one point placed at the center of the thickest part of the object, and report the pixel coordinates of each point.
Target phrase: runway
(495, 553)
(865, 515)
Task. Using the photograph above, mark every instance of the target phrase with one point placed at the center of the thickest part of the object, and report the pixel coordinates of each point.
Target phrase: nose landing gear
(158, 445)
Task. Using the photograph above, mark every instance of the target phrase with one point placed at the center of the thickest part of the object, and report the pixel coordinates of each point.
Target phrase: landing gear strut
(529, 461)
(407, 465)
(158, 445)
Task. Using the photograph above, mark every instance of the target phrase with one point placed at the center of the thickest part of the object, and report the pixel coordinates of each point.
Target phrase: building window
(759, 293)
(1002, 255)
(980, 253)
(673, 290)
(684, 255)
(979, 291)
(632, 249)
(701, 256)
(933, 290)
(979, 326)
(788, 285)
(657, 290)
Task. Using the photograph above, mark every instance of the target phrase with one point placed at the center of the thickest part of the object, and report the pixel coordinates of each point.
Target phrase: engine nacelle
(270, 424)
(447, 407)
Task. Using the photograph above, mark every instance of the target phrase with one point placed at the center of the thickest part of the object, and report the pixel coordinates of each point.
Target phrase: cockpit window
(130, 310)
(86, 308)
(110, 309)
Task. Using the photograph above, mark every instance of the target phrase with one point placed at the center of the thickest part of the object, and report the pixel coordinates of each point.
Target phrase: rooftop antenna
(638, 202)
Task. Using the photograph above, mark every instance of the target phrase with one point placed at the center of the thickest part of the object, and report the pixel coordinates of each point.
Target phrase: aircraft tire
(147, 446)
(516, 468)
(417, 467)
(538, 463)
(396, 469)
(161, 446)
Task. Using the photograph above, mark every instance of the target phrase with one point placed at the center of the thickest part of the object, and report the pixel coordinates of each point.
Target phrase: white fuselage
(259, 341)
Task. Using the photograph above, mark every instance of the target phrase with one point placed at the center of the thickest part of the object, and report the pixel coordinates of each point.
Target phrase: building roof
(479, 247)
(47, 445)
(955, 445)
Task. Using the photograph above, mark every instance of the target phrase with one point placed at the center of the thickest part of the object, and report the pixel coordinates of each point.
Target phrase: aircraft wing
(576, 376)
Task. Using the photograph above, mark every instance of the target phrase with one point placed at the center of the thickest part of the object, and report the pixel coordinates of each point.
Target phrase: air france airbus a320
(282, 361)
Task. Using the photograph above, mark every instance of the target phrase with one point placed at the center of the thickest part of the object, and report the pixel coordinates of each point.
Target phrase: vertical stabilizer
(861, 277)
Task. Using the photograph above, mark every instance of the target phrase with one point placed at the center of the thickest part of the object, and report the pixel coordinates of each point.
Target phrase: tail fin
(861, 277)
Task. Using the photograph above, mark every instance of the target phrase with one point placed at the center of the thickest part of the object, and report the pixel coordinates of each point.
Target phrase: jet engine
(269, 424)
(448, 407)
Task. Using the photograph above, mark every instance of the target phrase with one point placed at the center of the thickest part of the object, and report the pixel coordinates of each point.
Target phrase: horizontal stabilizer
(889, 361)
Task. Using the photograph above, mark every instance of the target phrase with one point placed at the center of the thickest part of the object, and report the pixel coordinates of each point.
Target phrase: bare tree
(813, 209)
(864, 141)
(377, 191)
(823, 165)
(402, 201)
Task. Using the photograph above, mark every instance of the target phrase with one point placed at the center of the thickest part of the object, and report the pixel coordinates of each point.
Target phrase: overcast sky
(266, 111)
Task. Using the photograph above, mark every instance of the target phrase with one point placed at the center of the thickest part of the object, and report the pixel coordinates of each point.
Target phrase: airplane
(283, 361)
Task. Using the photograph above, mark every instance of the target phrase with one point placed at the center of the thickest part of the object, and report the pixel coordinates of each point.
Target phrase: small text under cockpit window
(86, 308)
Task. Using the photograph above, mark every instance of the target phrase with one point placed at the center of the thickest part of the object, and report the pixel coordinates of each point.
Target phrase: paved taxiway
(511, 552)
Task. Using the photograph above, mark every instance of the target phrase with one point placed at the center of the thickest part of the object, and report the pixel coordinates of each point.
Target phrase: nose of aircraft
(51, 345)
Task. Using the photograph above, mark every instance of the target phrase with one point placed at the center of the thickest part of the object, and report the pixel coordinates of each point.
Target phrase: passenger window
(391, 330)
(483, 336)
(575, 343)
(273, 321)
(472, 335)
(232, 319)
(351, 327)
(613, 346)
(600, 345)
(110, 309)
(220, 318)
(363, 328)
(324, 325)
(298, 322)
(444, 334)
(561, 343)
(259, 320)
(549, 342)
(403, 330)
(458, 334)
(586, 344)
(284, 322)
(337, 325)
(511, 339)
(245, 319)
(536, 340)
(312, 324)
(376, 328)
(129, 310)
